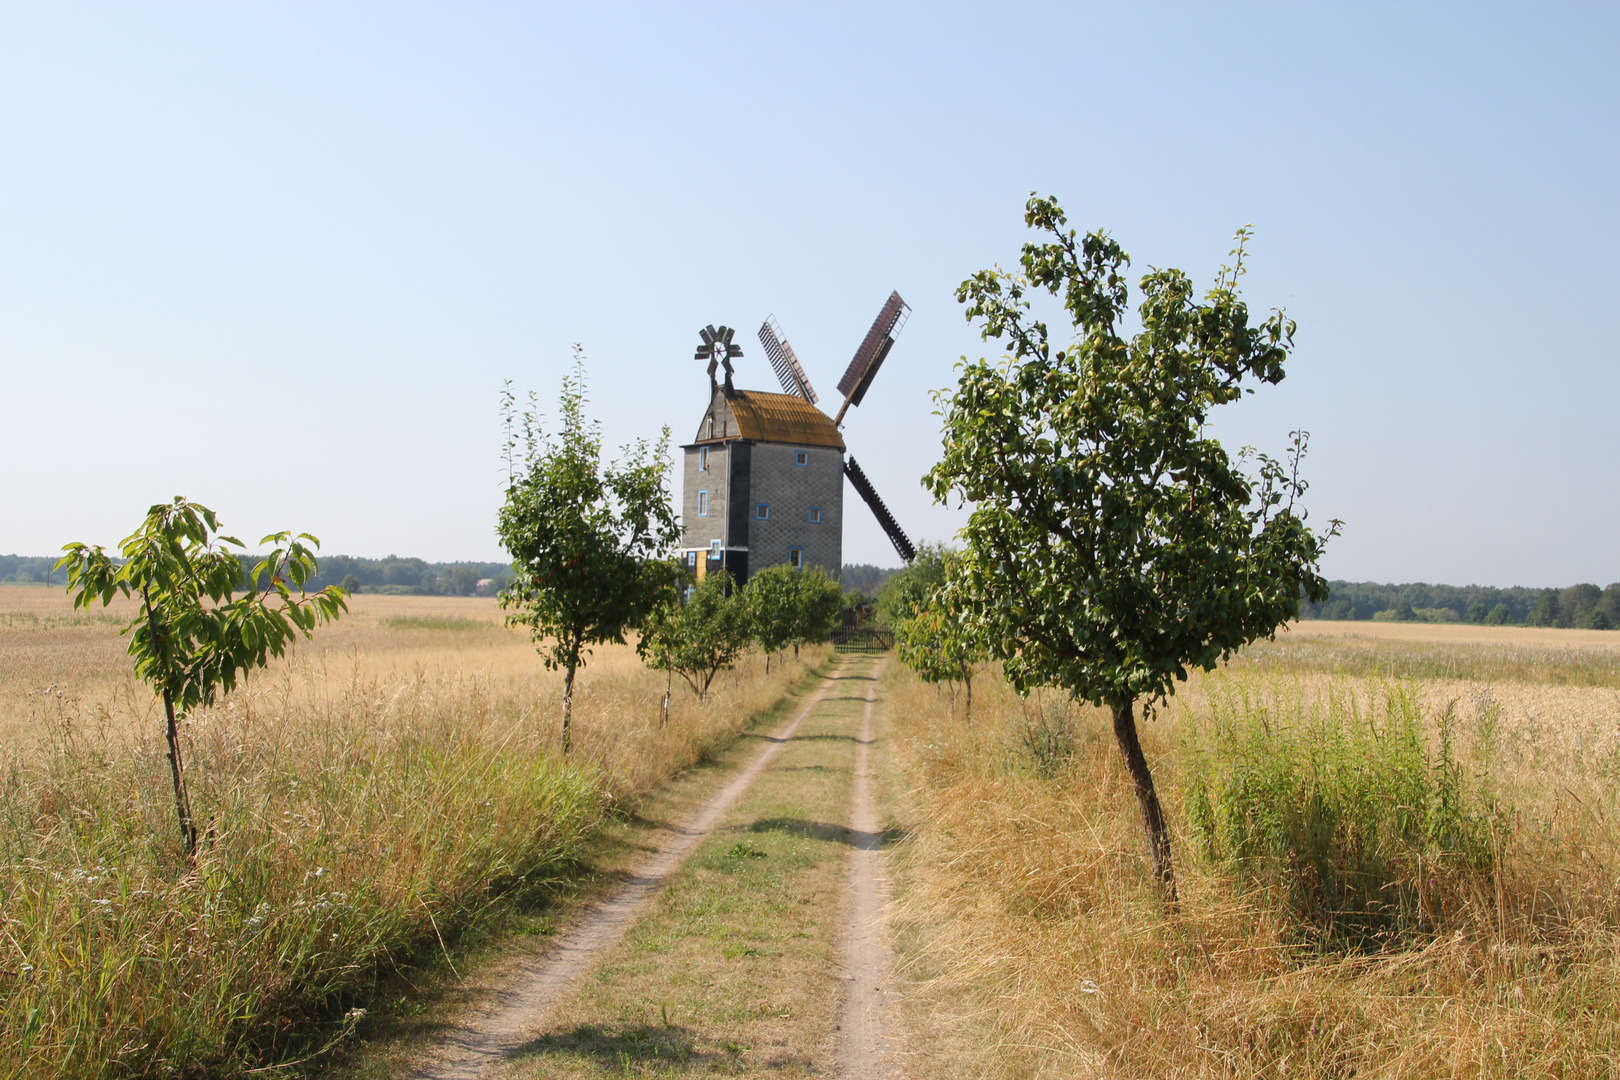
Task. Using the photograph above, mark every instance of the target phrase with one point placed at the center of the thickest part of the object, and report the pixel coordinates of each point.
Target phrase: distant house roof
(785, 418)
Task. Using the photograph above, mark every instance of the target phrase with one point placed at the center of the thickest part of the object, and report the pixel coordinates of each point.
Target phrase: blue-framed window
(703, 459)
(691, 559)
(813, 515)
(801, 457)
(714, 549)
(762, 511)
(703, 504)
(691, 591)
(796, 558)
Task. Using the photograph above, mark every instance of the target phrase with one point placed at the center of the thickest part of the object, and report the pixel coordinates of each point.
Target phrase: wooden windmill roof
(785, 418)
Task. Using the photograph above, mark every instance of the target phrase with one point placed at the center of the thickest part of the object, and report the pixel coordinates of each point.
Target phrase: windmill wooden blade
(879, 511)
(783, 362)
(861, 368)
(869, 357)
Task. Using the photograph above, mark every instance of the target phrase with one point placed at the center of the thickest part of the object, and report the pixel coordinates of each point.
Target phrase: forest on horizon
(1583, 606)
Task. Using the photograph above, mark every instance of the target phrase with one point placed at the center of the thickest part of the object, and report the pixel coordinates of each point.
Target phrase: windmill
(764, 479)
(863, 368)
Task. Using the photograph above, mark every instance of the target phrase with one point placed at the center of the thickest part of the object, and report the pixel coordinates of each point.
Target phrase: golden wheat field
(1035, 945)
(58, 665)
(379, 787)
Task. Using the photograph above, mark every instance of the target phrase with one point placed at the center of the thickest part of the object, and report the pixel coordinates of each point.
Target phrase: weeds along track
(375, 790)
(1461, 917)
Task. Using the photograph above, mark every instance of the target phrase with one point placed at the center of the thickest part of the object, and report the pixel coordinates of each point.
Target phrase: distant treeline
(1584, 607)
(23, 569)
(414, 577)
(865, 578)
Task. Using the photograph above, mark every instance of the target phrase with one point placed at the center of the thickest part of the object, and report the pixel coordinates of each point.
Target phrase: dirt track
(545, 1002)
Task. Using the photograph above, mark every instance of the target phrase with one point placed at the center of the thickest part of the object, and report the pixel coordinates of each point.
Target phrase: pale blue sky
(280, 257)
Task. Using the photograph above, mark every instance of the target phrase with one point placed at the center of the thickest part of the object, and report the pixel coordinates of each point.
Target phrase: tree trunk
(182, 804)
(568, 694)
(669, 681)
(967, 677)
(1146, 798)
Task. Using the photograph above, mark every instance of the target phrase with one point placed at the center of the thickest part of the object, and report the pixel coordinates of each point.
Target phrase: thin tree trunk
(182, 804)
(1146, 798)
(669, 682)
(967, 677)
(568, 695)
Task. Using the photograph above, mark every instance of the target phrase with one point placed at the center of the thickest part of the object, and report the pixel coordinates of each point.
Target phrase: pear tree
(1114, 544)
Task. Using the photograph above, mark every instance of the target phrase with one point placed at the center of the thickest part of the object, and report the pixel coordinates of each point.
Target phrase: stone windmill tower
(764, 479)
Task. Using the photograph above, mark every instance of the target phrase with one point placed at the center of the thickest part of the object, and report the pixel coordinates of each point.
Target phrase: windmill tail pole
(842, 409)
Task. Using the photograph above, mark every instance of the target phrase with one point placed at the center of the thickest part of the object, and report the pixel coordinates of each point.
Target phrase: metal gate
(863, 640)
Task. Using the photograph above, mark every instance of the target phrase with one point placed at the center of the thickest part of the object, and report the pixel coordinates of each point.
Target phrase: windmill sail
(783, 362)
(861, 367)
(869, 357)
(879, 511)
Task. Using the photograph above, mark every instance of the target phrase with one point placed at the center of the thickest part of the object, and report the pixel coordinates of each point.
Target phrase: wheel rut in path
(863, 947)
(489, 1037)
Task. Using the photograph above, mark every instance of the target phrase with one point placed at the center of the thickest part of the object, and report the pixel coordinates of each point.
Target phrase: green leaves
(787, 606)
(701, 636)
(194, 636)
(1112, 546)
(590, 544)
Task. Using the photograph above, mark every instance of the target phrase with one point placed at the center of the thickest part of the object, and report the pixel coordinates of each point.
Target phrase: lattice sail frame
(784, 362)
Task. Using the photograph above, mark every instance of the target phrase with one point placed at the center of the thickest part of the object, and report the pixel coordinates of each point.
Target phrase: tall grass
(353, 813)
(1338, 805)
(1308, 943)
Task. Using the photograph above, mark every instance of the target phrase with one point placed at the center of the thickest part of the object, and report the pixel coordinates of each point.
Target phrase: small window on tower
(703, 504)
(691, 558)
(762, 511)
(801, 457)
(796, 558)
(711, 427)
(714, 549)
(703, 458)
(813, 515)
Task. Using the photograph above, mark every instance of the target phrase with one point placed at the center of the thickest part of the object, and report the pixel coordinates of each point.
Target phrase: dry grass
(1037, 947)
(375, 790)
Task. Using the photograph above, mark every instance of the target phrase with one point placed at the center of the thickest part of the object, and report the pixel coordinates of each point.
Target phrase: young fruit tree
(927, 641)
(789, 606)
(772, 598)
(590, 544)
(818, 608)
(699, 637)
(1112, 543)
(192, 636)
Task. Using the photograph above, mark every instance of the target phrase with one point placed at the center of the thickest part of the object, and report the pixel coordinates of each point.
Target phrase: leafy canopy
(701, 636)
(193, 636)
(590, 544)
(787, 606)
(927, 640)
(1112, 543)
